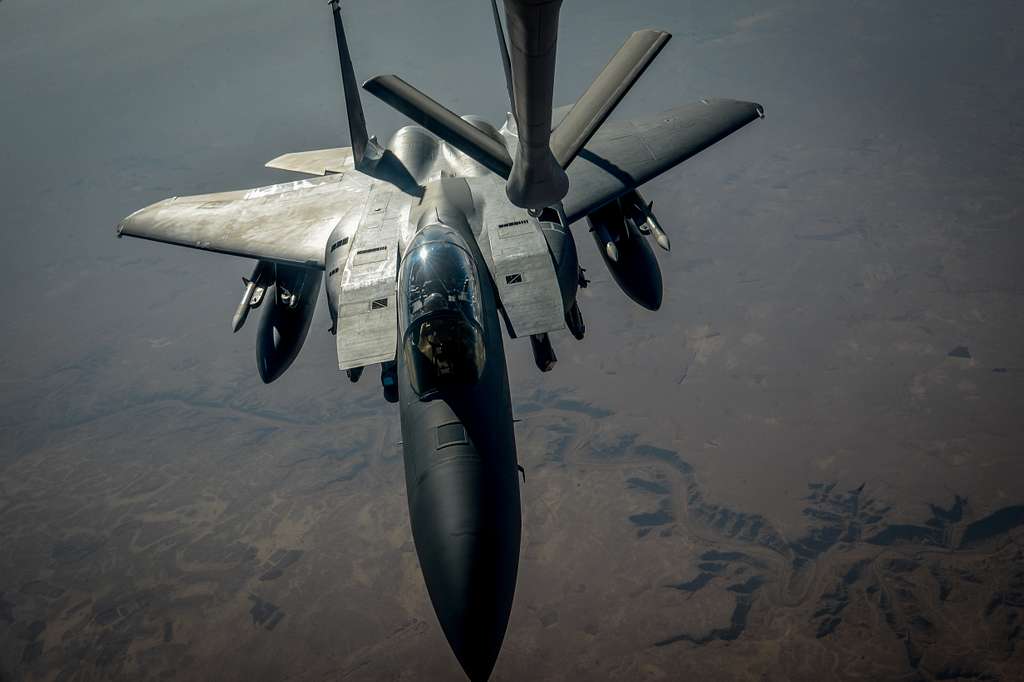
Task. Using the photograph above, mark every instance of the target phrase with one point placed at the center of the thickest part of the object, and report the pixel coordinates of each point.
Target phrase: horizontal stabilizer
(441, 121)
(315, 162)
(604, 94)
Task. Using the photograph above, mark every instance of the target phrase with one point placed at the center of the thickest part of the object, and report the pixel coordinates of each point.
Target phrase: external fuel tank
(627, 255)
(289, 307)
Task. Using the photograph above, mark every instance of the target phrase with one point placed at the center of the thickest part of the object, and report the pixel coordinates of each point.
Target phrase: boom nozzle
(537, 179)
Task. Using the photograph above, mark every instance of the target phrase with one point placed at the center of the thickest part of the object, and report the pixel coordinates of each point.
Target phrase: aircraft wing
(623, 155)
(286, 223)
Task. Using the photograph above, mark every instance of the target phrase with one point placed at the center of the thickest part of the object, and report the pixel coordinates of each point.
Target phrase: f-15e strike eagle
(427, 244)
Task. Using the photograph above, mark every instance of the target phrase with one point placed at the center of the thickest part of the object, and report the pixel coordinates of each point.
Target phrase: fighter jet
(427, 245)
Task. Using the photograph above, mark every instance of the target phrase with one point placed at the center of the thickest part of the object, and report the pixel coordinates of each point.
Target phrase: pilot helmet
(434, 302)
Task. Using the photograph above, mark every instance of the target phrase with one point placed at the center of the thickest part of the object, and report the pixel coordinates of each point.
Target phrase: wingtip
(654, 31)
(758, 109)
(125, 223)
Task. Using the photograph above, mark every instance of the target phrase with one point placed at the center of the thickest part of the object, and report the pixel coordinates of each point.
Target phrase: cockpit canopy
(441, 313)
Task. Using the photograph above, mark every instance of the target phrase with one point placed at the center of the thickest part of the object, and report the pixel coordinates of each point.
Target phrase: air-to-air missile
(642, 214)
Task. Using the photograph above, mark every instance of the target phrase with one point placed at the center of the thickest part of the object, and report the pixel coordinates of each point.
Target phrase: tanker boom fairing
(427, 245)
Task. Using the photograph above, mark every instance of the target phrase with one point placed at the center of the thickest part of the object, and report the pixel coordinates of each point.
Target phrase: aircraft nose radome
(466, 527)
(476, 658)
(471, 602)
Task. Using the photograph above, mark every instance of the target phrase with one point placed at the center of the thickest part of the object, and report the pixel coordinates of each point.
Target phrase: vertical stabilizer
(353, 106)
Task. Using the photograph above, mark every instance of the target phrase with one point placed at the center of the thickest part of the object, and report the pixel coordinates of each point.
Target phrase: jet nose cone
(476, 646)
(472, 595)
(466, 526)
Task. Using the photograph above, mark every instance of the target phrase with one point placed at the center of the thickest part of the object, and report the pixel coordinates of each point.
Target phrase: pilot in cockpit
(443, 338)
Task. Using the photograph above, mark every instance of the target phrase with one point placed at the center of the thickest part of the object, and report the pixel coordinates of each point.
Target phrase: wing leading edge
(315, 162)
(286, 223)
(625, 154)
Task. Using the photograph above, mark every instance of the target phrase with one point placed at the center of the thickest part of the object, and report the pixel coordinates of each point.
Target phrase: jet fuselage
(459, 447)
(462, 480)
